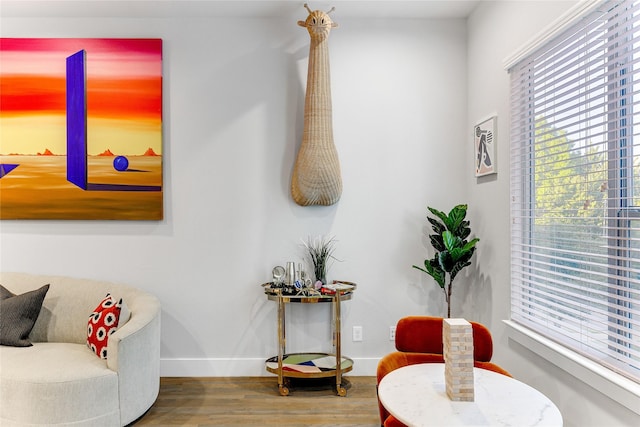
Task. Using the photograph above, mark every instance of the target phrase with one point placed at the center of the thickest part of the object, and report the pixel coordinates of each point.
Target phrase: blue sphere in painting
(121, 163)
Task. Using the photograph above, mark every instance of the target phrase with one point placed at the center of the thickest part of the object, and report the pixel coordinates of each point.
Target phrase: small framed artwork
(484, 143)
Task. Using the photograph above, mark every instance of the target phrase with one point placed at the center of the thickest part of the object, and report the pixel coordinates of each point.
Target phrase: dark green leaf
(450, 240)
(443, 216)
(436, 225)
(436, 242)
(419, 268)
(435, 272)
(463, 232)
(471, 245)
(456, 217)
(446, 261)
(457, 254)
(459, 266)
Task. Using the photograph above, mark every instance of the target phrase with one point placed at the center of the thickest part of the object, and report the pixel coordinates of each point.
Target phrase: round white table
(416, 395)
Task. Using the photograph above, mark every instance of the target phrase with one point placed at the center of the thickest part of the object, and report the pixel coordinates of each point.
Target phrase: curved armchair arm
(134, 353)
(398, 359)
(490, 366)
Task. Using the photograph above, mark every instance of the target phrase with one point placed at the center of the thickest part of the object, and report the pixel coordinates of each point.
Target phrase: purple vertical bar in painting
(77, 120)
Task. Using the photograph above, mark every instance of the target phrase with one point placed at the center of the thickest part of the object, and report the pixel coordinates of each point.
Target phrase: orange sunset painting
(81, 129)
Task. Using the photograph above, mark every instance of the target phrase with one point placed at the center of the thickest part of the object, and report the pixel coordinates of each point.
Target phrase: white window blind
(575, 188)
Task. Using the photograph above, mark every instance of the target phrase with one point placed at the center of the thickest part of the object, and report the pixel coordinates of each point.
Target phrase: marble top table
(416, 395)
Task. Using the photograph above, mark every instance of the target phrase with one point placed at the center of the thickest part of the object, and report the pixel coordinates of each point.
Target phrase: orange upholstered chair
(419, 340)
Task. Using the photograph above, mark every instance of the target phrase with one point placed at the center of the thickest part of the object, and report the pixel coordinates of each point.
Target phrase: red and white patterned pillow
(102, 323)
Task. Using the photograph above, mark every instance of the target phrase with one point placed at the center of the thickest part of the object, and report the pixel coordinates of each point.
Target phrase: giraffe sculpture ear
(302, 24)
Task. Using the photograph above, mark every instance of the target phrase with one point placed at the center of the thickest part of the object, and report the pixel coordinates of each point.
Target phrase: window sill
(611, 384)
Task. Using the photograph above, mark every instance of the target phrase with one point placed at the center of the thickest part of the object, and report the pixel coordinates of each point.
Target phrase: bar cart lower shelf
(308, 365)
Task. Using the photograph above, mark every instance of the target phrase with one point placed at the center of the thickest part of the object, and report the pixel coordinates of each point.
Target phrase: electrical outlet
(392, 333)
(357, 333)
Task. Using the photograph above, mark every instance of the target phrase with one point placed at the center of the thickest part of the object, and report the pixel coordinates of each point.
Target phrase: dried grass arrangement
(320, 252)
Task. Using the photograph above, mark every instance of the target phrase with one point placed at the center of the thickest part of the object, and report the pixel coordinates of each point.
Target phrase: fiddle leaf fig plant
(453, 251)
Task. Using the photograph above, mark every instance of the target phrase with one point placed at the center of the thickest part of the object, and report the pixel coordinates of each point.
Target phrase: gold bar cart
(310, 365)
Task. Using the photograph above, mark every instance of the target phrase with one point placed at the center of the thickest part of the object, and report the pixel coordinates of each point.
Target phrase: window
(575, 188)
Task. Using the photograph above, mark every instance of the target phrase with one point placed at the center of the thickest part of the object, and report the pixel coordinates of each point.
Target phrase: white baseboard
(242, 367)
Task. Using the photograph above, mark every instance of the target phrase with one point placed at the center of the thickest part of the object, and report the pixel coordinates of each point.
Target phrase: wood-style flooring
(255, 401)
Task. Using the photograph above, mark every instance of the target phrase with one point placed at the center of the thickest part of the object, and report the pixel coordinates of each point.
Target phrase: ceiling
(237, 8)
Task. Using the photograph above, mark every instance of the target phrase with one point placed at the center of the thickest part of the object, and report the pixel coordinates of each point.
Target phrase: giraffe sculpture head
(318, 23)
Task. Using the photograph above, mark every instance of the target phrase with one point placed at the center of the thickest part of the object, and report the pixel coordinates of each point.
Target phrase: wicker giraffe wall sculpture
(316, 175)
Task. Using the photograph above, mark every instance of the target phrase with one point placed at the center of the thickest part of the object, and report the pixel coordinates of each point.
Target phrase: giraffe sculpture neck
(316, 176)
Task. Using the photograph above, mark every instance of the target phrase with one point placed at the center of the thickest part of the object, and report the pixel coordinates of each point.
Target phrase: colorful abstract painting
(81, 129)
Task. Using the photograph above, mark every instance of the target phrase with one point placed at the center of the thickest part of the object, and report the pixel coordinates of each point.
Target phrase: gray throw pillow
(5, 293)
(18, 314)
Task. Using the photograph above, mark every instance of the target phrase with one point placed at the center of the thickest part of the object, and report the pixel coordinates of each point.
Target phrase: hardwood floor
(255, 401)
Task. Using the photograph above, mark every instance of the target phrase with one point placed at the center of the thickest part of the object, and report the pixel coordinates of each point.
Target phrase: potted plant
(453, 251)
(320, 251)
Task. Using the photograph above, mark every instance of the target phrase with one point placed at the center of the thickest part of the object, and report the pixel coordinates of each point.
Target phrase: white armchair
(59, 380)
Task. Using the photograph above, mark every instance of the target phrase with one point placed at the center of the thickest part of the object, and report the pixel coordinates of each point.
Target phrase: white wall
(406, 94)
(496, 30)
(233, 102)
